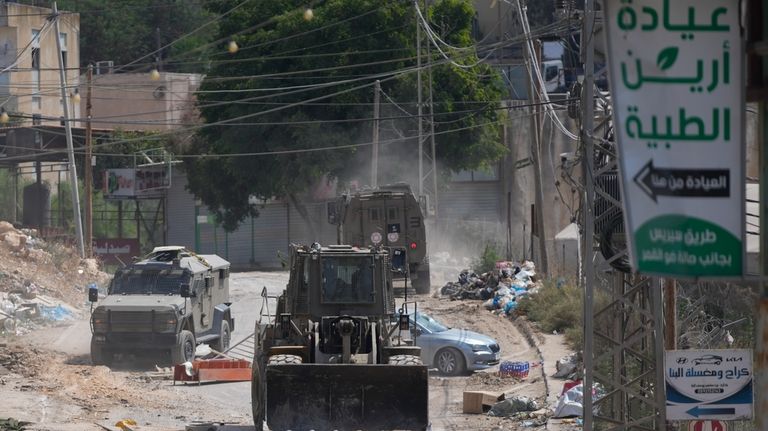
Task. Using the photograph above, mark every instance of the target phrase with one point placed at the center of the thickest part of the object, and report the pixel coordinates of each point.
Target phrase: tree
(126, 31)
(345, 40)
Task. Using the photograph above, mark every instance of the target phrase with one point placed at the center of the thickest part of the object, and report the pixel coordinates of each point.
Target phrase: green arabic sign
(678, 110)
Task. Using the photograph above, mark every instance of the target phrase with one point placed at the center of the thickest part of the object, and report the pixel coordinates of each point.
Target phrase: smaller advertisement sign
(116, 251)
(127, 182)
(709, 384)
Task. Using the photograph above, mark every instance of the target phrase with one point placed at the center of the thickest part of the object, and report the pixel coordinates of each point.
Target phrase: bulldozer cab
(340, 280)
(330, 361)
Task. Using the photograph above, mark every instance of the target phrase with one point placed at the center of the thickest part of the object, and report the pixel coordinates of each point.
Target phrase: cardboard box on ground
(481, 401)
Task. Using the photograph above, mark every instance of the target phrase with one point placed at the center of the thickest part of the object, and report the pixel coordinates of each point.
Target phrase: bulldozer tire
(100, 355)
(285, 359)
(257, 394)
(405, 360)
(421, 285)
(184, 350)
(222, 344)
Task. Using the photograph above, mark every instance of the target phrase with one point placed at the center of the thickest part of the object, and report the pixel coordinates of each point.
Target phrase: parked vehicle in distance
(453, 351)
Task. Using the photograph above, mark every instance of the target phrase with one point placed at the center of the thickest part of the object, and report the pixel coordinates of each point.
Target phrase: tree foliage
(282, 53)
(125, 31)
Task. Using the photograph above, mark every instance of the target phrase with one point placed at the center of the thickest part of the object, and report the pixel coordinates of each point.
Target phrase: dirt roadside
(446, 404)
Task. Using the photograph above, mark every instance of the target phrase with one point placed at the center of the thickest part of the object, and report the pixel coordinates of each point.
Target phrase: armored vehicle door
(205, 302)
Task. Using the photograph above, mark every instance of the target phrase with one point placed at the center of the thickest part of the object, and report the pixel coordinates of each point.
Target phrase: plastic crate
(514, 369)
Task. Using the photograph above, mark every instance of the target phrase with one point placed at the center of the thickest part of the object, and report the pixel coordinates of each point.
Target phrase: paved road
(245, 291)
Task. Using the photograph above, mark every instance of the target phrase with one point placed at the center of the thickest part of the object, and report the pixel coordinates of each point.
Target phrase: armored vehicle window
(347, 280)
(144, 281)
(392, 213)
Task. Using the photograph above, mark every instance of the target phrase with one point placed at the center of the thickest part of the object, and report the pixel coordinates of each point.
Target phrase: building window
(37, 119)
(36, 59)
(37, 102)
(63, 40)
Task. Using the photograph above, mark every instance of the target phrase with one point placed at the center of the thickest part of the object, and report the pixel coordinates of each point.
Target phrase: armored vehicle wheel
(222, 344)
(184, 350)
(405, 360)
(100, 355)
(285, 359)
(449, 361)
(421, 284)
(257, 395)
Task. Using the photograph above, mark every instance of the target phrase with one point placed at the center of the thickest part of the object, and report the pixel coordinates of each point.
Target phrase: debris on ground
(11, 424)
(499, 289)
(570, 403)
(512, 406)
(41, 282)
(566, 366)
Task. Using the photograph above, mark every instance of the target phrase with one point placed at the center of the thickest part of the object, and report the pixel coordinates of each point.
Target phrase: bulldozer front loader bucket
(347, 397)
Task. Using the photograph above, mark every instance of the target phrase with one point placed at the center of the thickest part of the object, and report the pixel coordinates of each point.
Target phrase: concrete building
(134, 101)
(29, 65)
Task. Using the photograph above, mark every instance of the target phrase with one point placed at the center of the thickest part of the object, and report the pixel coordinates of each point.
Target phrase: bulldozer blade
(347, 397)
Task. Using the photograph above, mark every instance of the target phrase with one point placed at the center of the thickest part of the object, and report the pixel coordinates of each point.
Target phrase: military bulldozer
(332, 358)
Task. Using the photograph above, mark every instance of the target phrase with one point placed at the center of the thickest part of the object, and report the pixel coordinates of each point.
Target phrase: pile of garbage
(41, 282)
(22, 311)
(499, 288)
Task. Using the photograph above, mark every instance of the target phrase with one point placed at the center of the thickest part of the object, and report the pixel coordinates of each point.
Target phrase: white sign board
(709, 384)
(677, 88)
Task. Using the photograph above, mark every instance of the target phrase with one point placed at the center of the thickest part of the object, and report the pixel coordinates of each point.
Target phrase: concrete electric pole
(68, 128)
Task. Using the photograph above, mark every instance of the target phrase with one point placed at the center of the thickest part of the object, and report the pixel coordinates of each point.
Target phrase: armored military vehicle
(331, 358)
(168, 302)
(391, 217)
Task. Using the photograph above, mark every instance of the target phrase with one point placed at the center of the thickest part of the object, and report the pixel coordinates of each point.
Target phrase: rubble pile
(40, 282)
(499, 288)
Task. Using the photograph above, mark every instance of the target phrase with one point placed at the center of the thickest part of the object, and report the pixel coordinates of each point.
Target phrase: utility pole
(419, 101)
(533, 99)
(159, 55)
(376, 114)
(88, 166)
(588, 166)
(68, 128)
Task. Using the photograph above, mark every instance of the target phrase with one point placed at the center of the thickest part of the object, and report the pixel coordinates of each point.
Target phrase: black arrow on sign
(686, 183)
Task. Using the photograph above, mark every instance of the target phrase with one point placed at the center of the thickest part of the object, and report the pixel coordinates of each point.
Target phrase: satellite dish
(159, 92)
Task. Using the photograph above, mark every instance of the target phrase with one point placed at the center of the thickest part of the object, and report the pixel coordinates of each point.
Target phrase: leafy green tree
(345, 39)
(126, 30)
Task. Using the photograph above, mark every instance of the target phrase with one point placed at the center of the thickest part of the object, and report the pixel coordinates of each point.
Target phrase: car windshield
(429, 323)
(149, 281)
(348, 280)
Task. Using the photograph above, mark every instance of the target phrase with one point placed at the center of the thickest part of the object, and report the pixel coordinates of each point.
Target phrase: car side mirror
(93, 294)
(185, 291)
(416, 331)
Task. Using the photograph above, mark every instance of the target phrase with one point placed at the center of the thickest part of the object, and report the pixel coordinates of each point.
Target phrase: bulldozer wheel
(285, 359)
(405, 360)
(422, 284)
(257, 395)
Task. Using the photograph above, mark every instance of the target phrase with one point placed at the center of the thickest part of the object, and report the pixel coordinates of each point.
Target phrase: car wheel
(222, 344)
(184, 350)
(450, 362)
(100, 354)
